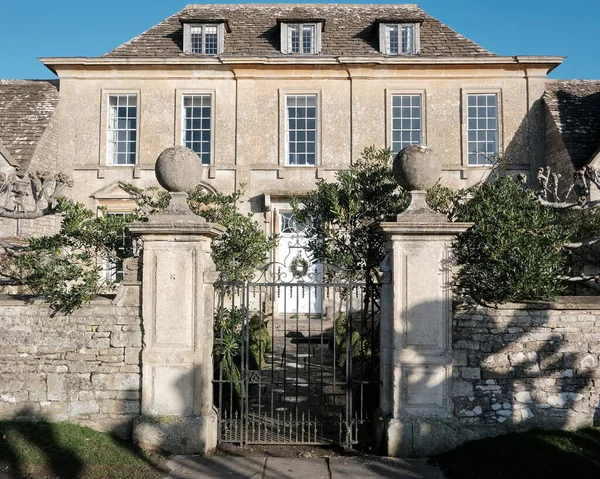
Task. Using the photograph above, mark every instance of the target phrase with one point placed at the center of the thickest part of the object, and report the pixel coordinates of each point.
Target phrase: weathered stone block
(461, 388)
(119, 381)
(110, 406)
(470, 373)
(177, 435)
(83, 407)
(56, 387)
(132, 355)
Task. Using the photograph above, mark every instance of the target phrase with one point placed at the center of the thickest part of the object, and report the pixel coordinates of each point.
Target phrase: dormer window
(301, 38)
(399, 38)
(203, 38)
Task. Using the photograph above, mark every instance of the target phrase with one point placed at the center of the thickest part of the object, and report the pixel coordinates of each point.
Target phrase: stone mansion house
(277, 96)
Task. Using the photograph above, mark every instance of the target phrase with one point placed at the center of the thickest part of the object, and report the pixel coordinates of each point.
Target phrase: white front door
(299, 293)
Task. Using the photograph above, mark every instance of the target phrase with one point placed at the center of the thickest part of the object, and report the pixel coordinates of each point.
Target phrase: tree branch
(580, 205)
(580, 244)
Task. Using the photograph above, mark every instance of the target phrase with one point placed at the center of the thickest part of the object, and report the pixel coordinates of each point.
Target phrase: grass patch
(42, 450)
(531, 455)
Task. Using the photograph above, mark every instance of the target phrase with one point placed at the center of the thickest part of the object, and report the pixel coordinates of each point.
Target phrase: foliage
(513, 251)
(341, 215)
(581, 224)
(64, 268)
(229, 332)
(227, 346)
(343, 335)
(243, 247)
(259, 341)
(446, 200)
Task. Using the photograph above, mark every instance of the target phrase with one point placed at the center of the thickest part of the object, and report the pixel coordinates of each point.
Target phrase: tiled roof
(350, 30)
(26, 107)
(575, 108)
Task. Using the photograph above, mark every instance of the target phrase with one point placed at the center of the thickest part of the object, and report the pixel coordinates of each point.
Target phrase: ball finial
(178, 169)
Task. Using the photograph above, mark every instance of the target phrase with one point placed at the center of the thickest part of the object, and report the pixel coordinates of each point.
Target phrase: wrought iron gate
(296, 377)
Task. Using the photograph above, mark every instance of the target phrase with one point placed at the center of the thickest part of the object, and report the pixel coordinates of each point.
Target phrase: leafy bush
(64, 268)
(243, 248)
(229, 333)
(513, 251)
(341, 215)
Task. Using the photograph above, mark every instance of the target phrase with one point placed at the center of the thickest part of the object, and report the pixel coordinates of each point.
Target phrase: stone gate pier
(416, 318)
(177, 413)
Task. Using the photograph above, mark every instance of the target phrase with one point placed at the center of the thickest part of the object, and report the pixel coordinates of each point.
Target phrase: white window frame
(384, 38)
(187, 38)
(391, 94)
(467, 128)
(109, 151)
(182, 118)
(286, 47)
(286, 130)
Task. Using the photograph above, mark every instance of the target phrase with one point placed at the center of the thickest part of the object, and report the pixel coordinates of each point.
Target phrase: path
(359, 467)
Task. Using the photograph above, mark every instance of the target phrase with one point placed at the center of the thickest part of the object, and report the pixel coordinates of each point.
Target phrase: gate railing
(296, 362)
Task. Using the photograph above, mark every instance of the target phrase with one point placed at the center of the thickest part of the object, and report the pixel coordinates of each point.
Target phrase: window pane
(121, 130)
(482, 128)
(391, 38)
(308, 39)
(196, 125)
(294, 38)
(407, 39)
(406, 121)
(210, 40)
(196, 39)
(301, 124)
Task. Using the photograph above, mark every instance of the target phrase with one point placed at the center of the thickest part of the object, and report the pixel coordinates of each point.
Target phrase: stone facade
(527, 365)
(248, 83)
(83, 368)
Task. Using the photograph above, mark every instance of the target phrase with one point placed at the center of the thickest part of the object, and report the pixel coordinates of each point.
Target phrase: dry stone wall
(82, 368)
(527, 365)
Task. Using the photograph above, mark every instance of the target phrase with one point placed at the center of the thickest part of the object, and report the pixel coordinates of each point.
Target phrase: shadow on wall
(524, 369)
(579, 117)
(524, 153)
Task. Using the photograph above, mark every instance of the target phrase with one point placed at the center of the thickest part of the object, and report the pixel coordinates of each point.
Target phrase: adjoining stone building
(28, 142)
(572, 127)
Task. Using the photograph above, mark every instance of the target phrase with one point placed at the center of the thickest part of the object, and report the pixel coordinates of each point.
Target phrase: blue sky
(64, 28)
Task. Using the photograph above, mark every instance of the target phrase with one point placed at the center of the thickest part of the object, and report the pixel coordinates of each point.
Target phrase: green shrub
(513, 251)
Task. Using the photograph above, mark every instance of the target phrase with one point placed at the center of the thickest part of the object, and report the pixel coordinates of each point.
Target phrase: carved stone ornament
(416, 169)
(178, 169)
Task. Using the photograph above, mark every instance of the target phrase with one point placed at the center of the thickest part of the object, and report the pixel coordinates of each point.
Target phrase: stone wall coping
(415, 228)
(560, 303)
(24, 300)
(180, 225)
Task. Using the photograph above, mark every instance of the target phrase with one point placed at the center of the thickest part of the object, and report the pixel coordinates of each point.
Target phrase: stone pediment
(113, 191)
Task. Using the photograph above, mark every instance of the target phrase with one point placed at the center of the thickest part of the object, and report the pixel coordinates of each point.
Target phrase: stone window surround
(283, 144)
(383, 43)
(103, 158)
(284, 36)
(463, 127)
(178, 139)
(389, 92)
(187, 37)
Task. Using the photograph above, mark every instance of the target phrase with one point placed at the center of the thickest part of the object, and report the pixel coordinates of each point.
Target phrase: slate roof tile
(26, 107)
(350, 30)
(575, 108)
